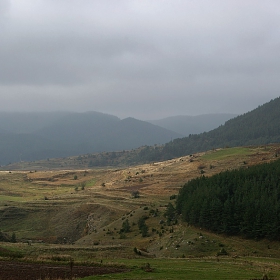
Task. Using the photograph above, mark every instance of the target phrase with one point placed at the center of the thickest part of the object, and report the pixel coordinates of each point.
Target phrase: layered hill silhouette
(257, 127)
(67, 134)
(35, 136)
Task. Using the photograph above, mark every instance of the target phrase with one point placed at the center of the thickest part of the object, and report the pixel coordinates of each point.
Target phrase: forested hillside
(92, 133)
(260, 126)
(240, 202)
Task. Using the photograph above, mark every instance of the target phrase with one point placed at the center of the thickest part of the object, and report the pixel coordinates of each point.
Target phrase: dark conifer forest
(259, 126)
(243, 202)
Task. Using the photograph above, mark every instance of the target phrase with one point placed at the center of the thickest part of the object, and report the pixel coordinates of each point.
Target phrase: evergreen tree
(125, 226)
(244, 202)
(143, 226)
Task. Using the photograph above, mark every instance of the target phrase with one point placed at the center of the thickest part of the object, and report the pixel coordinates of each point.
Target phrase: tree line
(258, 127)
(242, 202)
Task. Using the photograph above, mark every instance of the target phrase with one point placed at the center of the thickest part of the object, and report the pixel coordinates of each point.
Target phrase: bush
(83, 185)
(125, 227)
(13, 239)
(135, 194)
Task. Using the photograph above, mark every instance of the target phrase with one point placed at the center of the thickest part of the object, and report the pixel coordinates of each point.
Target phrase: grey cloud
(139, 58)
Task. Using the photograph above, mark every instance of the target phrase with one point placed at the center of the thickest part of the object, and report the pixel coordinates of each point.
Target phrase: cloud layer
(146, 59)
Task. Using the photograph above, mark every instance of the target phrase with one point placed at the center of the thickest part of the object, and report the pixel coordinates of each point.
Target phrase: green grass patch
(226, 153)
(91, 183)
(5, 198)
(7, 253)
(210, 269)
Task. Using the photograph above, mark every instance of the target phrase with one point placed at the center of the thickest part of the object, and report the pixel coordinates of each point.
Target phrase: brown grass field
(79, 213)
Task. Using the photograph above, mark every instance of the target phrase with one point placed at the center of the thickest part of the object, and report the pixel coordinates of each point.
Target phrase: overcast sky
(146, 59)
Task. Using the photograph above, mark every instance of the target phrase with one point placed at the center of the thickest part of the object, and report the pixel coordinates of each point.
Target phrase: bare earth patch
(31, 271)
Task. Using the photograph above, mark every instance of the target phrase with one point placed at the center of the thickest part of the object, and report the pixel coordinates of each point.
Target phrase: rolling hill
(89, 207)
(84, 211)
(259, 126)
(35, 136)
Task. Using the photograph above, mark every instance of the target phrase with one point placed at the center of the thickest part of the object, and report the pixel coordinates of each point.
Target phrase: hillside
(90, 207)
(258, 127)
(186, 125)
(125, 216)
(242, 202)
(35, 136)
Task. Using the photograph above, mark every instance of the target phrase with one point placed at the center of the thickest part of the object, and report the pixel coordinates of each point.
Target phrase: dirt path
(30, 271)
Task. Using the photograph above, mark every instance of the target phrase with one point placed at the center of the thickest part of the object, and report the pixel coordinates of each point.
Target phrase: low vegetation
(111, 217)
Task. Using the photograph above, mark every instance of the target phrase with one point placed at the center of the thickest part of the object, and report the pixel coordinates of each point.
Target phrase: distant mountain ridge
(186, 125)
(260, 126)
(257, 127)
(35, 136)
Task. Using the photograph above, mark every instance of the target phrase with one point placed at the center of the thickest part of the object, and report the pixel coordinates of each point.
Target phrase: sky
(146, 59)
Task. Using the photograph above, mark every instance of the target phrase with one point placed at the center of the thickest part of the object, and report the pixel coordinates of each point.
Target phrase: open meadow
(91, 217)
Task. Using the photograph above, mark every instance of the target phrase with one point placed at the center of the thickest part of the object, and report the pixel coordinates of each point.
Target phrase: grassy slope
(45, 205)
(50, 196)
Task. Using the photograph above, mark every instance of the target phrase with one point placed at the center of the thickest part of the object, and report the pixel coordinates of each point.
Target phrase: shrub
(13, 239)
(201, 166)
(125, 227)
(83, 184)
(135, 194)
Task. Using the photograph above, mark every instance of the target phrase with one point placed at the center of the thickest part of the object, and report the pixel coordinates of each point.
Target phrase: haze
(144, 59)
